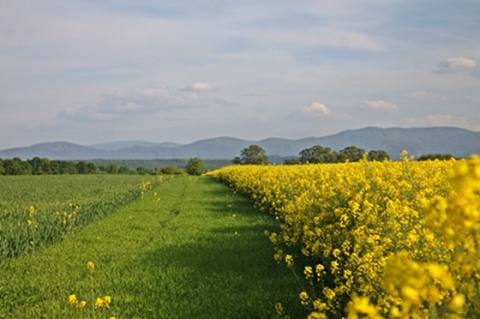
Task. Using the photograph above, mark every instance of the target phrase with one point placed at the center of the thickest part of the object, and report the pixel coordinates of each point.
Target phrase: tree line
(45, 166)
(255, 154)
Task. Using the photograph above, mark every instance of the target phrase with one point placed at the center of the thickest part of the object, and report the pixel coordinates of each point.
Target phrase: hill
(417, 141)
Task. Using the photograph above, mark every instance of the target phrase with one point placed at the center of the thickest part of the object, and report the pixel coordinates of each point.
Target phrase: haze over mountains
(417, 141)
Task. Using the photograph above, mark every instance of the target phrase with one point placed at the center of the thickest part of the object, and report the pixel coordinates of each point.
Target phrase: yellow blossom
(99, 302)
(72, 299)
(304, 298)
(308, 272)
(289, 260)
(90, 266)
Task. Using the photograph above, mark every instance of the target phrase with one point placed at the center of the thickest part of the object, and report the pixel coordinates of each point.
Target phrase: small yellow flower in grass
(90, 265)
(107, 300)
(98, 302)
(31, 211)
(82, 304)
(72, 299)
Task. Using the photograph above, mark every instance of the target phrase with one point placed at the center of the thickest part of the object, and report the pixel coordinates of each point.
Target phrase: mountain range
(417, 141)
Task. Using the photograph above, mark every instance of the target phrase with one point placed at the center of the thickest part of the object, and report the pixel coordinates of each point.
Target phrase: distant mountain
(115, 146)
(54, 150)
(417, 141)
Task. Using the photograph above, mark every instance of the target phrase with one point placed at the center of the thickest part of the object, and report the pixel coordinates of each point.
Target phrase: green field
(189, 248)
(38, 210)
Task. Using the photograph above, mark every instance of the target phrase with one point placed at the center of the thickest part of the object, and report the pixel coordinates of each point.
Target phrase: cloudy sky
(90, 71)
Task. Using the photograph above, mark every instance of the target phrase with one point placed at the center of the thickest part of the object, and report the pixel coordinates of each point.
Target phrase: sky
(92, 71)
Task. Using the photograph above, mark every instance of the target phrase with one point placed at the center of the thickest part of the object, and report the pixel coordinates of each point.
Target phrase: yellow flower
(457, 303)
(99, 302)
(82, 304)
(72, 299)
(90, 265)
(317, 315)
(106, 301)
(319, 269)
(304, 298)
(308, 272)
(289, 260)
(328, 293)
(279, 309)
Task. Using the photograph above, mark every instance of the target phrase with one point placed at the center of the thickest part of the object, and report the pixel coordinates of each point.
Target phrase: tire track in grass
(200, 252)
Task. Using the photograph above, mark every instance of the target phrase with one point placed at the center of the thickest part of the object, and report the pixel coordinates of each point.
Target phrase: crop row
(375, 239)
(38, 210)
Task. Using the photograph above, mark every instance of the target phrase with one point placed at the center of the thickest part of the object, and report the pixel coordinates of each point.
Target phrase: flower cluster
(379, 239)
(97, 303)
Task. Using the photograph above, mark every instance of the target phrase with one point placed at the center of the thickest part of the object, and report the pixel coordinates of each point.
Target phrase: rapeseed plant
(378, 239)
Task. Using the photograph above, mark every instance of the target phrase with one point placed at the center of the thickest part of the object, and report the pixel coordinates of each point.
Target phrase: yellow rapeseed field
(393, 239)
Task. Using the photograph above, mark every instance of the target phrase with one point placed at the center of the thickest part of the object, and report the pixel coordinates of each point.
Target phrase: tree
(378, 155)
(112, 169)
(237, 160)
(353, 153)
(85, 168)
(317, 154)
(438, 156)
(254, 154)
(195, 166)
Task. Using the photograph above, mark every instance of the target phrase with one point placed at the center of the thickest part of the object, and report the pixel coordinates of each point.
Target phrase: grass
(195, 250)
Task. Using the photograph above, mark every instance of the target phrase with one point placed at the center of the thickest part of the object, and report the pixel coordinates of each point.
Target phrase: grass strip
(191, 249)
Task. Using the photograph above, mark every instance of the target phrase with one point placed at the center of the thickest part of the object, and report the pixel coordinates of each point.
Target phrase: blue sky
(180, 71)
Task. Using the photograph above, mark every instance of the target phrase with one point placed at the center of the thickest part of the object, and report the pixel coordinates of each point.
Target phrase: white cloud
(440, 120)
(446, 119)
(199, 86)
(128, 106)
(455, 64)
(379, 105)
(420, 95)
(317, 109)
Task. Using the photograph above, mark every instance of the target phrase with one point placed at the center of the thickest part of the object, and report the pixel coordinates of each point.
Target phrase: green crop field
(37, 210)
(186, 248)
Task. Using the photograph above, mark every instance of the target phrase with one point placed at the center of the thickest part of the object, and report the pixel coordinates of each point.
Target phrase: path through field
(189, 249)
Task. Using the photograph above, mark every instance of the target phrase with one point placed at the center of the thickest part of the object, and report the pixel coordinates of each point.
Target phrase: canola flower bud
(90, 266)
(457, 303)
(308, 272)
(289, 260)
(72, 299)
(304, 298)
(279, 309)
(107, 300)
(98, 302)
(317, 315)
